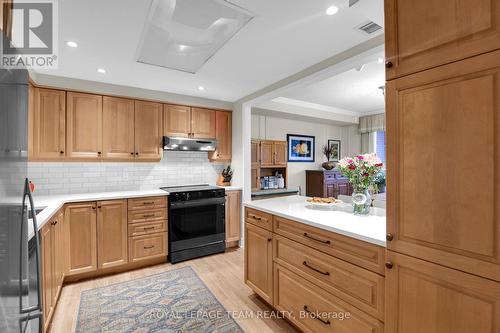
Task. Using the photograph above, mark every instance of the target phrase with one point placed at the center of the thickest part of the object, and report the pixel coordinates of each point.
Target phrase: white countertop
(338, 219)
(54, 202)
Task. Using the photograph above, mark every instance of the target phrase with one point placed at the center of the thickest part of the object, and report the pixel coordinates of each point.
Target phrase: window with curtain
(379, 144)
(369, 126)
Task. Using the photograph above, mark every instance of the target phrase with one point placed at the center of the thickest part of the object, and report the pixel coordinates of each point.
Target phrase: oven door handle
(197, 203)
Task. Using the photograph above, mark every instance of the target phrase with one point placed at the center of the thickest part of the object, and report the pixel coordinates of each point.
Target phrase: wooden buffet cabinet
(76, 126)
(315, 274)
(327, 183)
(443, 229)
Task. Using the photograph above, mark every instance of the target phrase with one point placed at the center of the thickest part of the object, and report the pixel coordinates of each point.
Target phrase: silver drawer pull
(324, 241)
(315, 269)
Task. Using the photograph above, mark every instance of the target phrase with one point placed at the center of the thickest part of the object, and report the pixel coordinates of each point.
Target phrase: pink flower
(379, 164)
(366, 174)
(360, 157)
(352, 167)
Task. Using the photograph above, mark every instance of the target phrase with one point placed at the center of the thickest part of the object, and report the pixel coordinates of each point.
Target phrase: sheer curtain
(367, 126)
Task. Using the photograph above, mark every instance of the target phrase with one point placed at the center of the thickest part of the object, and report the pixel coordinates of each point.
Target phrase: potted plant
(379, 182)
(361, 171)
(327, 151)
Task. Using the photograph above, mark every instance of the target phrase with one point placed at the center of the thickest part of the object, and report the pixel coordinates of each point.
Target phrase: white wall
(176, 168)
(274, 128)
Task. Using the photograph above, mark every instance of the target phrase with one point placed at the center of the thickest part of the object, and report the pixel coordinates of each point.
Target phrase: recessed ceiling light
(71, 43)
(182, 47)
(332, 10)
(101, 70)
(380, 60)
(201, 88)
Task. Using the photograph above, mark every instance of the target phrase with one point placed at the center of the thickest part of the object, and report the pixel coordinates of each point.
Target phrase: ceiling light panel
(184, 34)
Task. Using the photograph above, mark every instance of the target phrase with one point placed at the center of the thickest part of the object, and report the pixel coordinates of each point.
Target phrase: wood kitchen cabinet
(427, 116)
(84, 126)
(425, 297)
(223, 134)
(233, 217)
(48, 124)
(148, 130)
(185, 121)
(259, 261)
(81, 235)
(266, 156)
(279, 152)
(176, 120)
(423, 34)
(52, 265)
(203, 123)
(255, 160)
(118, 120)
(112, 233)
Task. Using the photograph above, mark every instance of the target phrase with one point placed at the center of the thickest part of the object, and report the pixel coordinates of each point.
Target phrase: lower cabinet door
(425, 297)
(314, 310)
(47, 242)
(81, 234)
(259, 261)
(233, 215)
(147, 247)
(112, 233)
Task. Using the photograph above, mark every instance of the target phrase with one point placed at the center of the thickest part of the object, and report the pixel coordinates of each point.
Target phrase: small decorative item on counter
(327, 151)
(280, 180)
(225, 177)
(379, 185)
(361, 171)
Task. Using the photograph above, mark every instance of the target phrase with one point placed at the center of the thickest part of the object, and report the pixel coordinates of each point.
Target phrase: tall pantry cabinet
(442, 114)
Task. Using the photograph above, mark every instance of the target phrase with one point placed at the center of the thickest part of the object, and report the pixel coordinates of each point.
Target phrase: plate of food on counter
(323, 202)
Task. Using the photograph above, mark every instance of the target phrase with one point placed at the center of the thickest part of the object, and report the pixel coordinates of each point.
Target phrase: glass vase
(361, 202)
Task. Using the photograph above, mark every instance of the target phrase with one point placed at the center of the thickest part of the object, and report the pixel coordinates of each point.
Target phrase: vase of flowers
(361, 171)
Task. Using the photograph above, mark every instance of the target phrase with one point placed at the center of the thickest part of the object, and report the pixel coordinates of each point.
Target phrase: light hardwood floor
(222, 273)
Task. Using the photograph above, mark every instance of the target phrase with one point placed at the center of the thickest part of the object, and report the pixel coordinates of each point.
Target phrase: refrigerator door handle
(38, 306)
(30, 316)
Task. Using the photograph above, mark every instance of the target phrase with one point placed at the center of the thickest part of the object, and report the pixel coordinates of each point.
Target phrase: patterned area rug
(173, 301)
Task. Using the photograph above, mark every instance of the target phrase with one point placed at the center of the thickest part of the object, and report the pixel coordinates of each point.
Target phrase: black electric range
(196, 221)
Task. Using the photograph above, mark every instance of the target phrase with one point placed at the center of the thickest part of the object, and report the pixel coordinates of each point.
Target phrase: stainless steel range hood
(188, 144)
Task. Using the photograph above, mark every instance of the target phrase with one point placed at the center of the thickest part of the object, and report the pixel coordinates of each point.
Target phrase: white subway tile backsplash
(176, 168)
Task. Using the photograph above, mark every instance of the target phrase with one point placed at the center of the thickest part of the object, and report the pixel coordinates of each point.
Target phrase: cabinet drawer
(147, 246)
(316, 311)
(136, 229)
(143, 203)
(356, 252)
(147, 215)
(358, 286)
(263, 220)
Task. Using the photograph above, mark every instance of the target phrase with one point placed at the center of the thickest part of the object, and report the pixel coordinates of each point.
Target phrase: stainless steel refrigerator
(20, 290)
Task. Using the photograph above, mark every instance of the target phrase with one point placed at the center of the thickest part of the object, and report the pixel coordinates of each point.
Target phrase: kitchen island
(323, 267)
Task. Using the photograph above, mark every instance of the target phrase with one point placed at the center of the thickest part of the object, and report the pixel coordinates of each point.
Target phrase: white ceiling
(355, 91)
(285, 37)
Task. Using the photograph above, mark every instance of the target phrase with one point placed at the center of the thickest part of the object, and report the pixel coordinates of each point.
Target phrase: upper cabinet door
(48, 124)
(280, 156)
(148, 131)
(255, 151)
(428, 33)
(443, 163)
(266, 153)
(84, 125)
(202, 123)
(223, 125)
(177, 120)
(118, 128)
